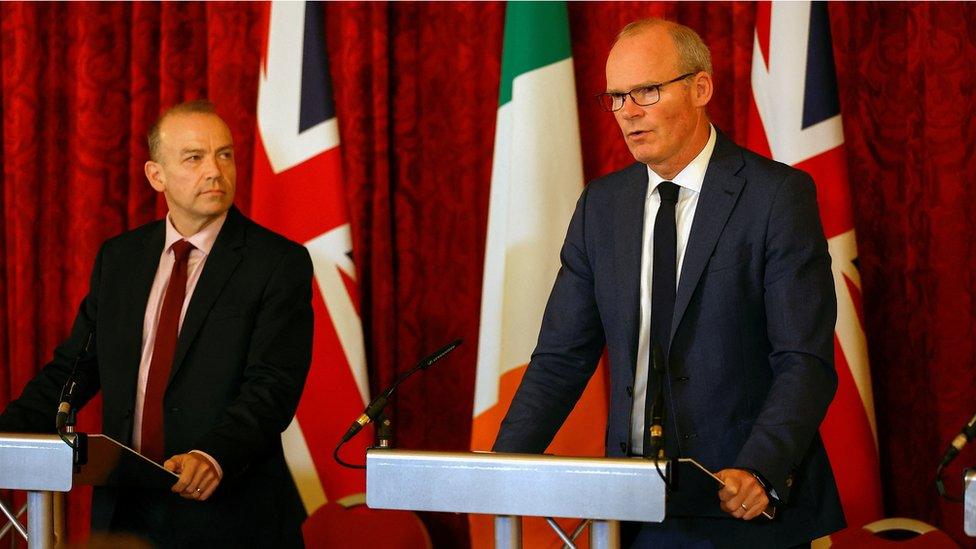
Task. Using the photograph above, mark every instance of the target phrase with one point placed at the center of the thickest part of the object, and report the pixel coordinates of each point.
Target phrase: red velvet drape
(416, 88)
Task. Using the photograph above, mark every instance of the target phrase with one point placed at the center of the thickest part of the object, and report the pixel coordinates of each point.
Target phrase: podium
(44, 464)
(969, 520)
(509, 486)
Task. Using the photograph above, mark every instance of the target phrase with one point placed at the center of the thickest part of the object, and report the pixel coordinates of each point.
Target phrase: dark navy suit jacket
(750, 368)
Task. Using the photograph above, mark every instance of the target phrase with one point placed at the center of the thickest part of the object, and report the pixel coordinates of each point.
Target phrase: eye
(192, 158)
(226, 155)
(643, 91)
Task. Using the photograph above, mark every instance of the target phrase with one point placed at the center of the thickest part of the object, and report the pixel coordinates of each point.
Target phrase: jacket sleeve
(801, 310)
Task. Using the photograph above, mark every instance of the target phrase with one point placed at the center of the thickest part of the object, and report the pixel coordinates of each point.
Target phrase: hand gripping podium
(44, 464)
(510, 486)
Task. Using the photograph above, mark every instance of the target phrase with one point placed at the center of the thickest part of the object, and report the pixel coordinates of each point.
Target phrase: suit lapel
(720, 190)
(145, 258)
(128, 323)
(628, 236)
(223, 259)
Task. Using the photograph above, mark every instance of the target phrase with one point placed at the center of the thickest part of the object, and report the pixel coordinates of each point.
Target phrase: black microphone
(967, 434)
(379, 403)
(657, 408)
(68, 391)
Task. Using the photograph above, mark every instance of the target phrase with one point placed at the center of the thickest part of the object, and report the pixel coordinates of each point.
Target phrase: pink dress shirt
(202, 242)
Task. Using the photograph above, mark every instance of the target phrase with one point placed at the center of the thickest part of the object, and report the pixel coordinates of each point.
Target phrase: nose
(630, 109)
(212, 168)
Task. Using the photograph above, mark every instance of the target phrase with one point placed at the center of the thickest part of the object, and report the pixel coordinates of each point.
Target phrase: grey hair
(693, 54)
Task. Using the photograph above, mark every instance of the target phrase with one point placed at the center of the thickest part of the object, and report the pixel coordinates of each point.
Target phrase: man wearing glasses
(704, 270)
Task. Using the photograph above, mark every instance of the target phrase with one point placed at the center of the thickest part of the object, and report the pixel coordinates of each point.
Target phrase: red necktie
(167, 328)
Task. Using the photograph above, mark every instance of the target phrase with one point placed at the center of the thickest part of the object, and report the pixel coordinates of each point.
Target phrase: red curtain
(416, 90)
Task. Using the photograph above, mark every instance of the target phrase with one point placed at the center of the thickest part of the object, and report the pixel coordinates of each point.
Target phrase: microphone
(966, 435)
(657, 408)
(376, 407)
(68, 391)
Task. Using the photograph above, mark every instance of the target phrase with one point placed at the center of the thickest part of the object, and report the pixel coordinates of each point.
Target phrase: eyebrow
(641, 85)
(185, 152)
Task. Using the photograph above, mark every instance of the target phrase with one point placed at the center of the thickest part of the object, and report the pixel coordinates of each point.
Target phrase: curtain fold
(415, 87)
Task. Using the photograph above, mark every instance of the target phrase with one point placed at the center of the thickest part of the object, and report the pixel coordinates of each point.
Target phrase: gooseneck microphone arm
(966, 434)
(378, 404)
(66, 405)
(657, 414)
(657, 407)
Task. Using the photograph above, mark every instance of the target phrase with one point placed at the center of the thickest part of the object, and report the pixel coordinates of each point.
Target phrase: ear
(702, 89)
(154, 173)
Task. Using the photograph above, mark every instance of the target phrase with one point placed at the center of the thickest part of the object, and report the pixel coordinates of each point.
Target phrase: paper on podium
(694, 491)
(106, 462)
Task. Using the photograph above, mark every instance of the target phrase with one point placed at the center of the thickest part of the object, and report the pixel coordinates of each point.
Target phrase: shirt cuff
(216, 466)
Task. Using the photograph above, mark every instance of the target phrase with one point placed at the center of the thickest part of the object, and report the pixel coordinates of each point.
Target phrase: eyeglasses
(644, 96)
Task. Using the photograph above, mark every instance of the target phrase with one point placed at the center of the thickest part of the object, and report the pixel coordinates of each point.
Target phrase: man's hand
(198, 477)
(742, 496)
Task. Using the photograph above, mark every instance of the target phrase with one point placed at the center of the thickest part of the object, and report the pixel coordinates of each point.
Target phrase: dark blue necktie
(664, 280)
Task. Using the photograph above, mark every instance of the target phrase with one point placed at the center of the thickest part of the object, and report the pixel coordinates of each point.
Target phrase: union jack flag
(795, 118)
(298, 192)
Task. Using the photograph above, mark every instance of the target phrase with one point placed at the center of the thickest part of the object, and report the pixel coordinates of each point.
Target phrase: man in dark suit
(714, 259)
(203, 333)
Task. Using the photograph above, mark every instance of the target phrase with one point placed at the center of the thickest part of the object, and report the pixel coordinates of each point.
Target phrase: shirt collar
(203, 240)
(691, 176)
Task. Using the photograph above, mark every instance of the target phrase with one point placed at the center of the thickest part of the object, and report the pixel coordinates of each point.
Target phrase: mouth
(638, 134)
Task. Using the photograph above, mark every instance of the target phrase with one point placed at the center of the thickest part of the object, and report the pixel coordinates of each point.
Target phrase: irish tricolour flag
(537, 175)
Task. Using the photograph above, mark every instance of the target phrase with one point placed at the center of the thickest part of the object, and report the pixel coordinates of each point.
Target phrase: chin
(640, 151)
(645, 157)
(216, 210)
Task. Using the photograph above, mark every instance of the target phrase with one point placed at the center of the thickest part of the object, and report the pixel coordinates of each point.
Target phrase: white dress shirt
(689, 181)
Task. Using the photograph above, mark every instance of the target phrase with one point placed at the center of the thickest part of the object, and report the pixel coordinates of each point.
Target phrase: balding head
(198, 106)
(693, 54)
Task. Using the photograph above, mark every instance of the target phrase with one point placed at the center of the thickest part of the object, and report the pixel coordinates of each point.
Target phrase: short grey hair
(693, 54)
(196, 106)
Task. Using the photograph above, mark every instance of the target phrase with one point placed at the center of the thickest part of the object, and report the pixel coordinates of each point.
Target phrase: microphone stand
(657, 416)
(385, 436)
(967, 434)
(67, 415)
(374, 411)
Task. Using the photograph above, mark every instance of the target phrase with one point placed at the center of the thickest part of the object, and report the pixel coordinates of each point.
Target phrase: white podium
(511, 486)
(969, 519)
(45, 464)
(41, 465)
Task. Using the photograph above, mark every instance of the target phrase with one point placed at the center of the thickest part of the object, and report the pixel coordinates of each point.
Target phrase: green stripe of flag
(536, 35)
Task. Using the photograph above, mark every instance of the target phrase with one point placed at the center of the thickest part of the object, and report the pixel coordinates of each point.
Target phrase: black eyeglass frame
(655, 87)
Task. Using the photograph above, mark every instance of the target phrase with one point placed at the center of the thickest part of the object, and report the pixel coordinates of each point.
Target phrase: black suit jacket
(750, 365)
(241, 360)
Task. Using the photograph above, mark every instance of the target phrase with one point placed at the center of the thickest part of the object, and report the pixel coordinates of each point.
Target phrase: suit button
(630, 391)
(174, 409)
(623, 447)
(682, 378)
(127, 415)
(690, 436)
